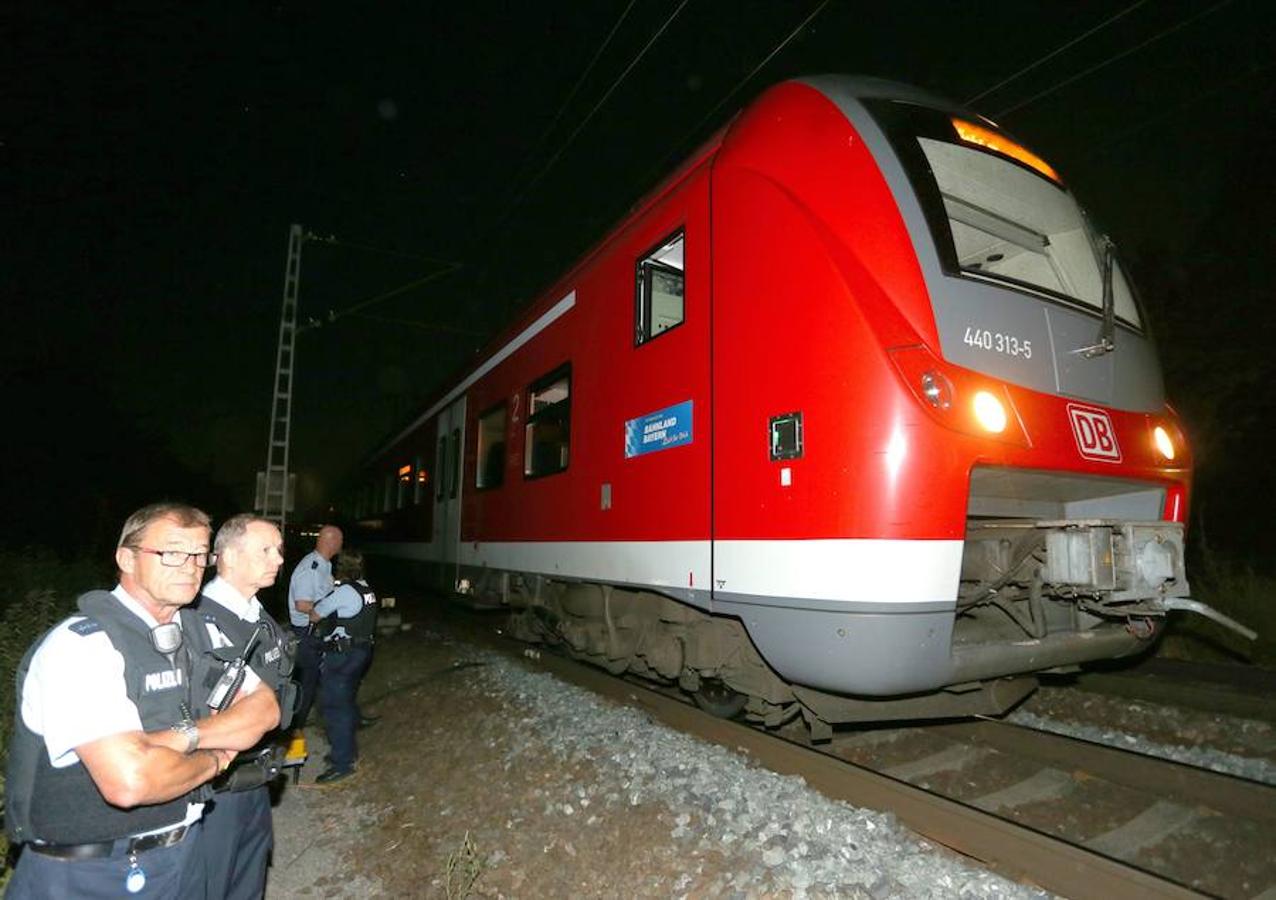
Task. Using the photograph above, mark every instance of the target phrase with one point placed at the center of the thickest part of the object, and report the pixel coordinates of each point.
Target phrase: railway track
(1076, 818)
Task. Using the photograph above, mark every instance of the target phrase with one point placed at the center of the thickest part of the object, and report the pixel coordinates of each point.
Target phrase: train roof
(838, 88)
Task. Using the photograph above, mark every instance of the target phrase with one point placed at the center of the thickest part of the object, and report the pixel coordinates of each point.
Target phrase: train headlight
(989, 412)
(1164, 443)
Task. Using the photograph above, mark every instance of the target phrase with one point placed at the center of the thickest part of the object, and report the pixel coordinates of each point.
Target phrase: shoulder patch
(314, 563)
(85, 627)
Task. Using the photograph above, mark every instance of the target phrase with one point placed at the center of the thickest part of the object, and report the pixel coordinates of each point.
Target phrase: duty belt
(341, 645)
(121, 847)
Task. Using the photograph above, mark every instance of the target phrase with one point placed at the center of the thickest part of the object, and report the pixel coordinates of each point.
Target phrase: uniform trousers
(169, 872)
(306, 672)
(238, 839)
(338, 690)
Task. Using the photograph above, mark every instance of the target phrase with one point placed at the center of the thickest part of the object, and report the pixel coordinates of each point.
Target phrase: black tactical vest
(273, 657)
(64, 806)
(363, 625)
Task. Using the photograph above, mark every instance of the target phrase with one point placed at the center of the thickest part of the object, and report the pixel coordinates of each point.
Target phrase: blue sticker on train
(660, 430)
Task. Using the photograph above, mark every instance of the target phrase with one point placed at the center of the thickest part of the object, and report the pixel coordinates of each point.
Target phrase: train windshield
(999, 212)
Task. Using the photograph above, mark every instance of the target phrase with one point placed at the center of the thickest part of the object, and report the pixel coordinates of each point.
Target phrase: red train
(854, 416)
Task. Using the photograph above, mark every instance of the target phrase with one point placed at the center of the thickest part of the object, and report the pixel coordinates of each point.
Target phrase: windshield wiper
(1107, 331)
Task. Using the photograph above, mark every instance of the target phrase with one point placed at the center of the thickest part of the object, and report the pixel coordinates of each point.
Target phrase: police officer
(311, 581)
(238, 832)
(111, 733)
(349, 624)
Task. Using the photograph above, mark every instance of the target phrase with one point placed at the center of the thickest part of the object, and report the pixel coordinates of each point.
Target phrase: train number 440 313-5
(996, 342)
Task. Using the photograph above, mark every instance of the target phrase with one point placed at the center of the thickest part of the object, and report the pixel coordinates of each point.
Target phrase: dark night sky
(153, 162)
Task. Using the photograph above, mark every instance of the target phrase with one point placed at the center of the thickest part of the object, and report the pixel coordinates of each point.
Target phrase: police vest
(272, 659)
(363, 624)
(64, 805)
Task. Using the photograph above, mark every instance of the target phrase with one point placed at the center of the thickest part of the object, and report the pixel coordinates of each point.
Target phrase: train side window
(404, 478)
(548, 429)
(454, 464)
(419, 480)
(440, 469)
(658, 294)
(489, 472)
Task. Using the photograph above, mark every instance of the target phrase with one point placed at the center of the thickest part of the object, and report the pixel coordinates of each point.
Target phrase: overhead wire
(1051, 55)
(1110, 60)
(544, 170)
(739, 84)
(571, 95)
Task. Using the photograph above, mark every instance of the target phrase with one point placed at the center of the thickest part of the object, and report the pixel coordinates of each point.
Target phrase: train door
(450, 453)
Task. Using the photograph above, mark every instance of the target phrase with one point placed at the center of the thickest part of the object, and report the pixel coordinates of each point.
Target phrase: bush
(39, 590)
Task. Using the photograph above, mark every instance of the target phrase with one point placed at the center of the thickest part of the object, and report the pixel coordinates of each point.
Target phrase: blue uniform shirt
(311, 580)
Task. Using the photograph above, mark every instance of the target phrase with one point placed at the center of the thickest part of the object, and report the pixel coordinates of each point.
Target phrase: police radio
(232, 677)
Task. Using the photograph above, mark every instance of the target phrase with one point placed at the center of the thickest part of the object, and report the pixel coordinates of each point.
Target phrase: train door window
(658, 294)
(490, 469)
(548, 429)
(440, 468)
(387, 494)
(454, 464)
(404, 479)
(419, 481)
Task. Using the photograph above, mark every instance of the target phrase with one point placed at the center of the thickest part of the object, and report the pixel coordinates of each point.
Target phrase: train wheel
(717, 699)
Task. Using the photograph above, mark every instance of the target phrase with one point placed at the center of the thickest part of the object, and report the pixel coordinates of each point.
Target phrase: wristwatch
(186, 728)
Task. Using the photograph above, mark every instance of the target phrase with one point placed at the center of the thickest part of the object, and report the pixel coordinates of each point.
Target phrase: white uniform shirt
(311, 580)
(75, 693)
(220, 592)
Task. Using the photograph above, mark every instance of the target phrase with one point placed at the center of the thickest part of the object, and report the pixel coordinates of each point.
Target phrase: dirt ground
(456, 796)
(444, 804)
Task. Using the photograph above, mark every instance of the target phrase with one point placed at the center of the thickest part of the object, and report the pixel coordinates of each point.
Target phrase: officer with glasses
(113, 745)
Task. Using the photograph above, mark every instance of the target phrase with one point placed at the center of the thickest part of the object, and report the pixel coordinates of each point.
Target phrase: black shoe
(332, 775)
(368, 722)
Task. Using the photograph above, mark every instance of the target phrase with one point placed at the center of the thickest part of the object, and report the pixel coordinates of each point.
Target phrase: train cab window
(660, 279)
(489, 472)
(548, 429)
(1000, 213)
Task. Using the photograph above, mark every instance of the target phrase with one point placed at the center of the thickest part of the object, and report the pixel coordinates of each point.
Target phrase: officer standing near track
(112, 736)
(349, 617)
(238, 832)
(311, 581)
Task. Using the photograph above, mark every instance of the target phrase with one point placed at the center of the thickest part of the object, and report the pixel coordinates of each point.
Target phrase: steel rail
(1011, 849)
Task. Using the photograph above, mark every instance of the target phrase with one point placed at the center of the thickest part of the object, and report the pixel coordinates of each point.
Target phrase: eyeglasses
(176, 558)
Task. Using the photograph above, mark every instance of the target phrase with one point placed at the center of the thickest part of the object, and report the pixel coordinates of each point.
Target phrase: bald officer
(112, 738)
(311, 581)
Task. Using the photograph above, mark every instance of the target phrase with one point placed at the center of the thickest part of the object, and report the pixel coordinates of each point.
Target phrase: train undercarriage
(1035, 596)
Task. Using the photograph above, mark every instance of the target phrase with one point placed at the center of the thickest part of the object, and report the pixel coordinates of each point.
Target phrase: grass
(1238, 591)
(464, 866)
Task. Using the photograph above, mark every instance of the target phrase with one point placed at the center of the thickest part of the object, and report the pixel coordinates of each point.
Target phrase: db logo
(1096, 438)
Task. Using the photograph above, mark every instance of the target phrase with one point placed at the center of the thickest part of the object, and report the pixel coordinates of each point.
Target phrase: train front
(1007, 454)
